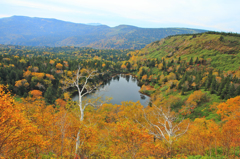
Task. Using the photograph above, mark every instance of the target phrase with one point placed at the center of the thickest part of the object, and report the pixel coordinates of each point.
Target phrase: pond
(120, 88)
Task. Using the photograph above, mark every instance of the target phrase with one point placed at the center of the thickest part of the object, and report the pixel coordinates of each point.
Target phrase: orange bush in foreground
(18, 137)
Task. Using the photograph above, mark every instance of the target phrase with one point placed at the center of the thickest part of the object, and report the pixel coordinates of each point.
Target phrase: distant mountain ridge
(21, 30)
(94, 24)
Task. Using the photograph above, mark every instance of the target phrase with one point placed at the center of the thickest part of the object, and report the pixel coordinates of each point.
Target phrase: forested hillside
(208, 63)
(20, 30)
(194, 112)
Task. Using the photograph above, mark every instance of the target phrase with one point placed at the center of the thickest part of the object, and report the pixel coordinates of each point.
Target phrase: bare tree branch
(83, 88)
(165, 127)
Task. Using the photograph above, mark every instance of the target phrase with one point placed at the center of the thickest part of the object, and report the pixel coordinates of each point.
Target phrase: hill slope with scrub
(204, 66)
(221, 50)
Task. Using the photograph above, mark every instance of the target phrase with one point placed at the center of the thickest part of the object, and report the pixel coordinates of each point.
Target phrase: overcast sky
(218, 15)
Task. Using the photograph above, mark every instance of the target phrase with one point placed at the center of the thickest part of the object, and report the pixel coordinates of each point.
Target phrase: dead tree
(80, 80)
(164, 124)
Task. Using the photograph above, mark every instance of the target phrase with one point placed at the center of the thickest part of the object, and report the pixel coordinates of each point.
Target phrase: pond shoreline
(121, 87)
(74, 92)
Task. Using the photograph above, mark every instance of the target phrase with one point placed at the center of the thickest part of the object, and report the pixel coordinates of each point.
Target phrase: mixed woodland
(194, 112)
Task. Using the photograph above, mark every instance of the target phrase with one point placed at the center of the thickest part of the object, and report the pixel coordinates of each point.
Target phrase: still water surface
(120, 88)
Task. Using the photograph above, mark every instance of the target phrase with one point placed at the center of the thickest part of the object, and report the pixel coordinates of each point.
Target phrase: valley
(192, 80)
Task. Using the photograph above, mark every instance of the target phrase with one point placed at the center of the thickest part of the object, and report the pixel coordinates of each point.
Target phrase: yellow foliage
(26, 84)
(195, 98)
(69, 73)
(47, 82)
(66, 96)
(123, 66)
(51, 62)
(215, 73)
(22, 61)
(59, 66)
(38, 75)
(203, 79)
(160, 66)
(171, 76)
(22, 82)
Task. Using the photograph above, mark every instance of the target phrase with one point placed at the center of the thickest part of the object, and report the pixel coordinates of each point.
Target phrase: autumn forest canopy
(193, 81)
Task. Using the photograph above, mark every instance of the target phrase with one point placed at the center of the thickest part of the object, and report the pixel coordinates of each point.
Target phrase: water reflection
(116, 77)
(120, 88)
(134, 79)
(127, 78)
(142, 96)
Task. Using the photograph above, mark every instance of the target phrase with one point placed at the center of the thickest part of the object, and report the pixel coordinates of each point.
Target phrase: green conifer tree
(231, 91)
(196, 61)
(237, 92)
(191, 61)
(179, 60)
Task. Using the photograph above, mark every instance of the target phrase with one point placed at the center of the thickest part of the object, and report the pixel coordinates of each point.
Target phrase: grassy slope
(224, 54)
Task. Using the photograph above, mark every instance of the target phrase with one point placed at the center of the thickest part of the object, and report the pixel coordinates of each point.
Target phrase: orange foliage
(65, 63)
(230, 109)
(201, 136)
(27, 73)
(193, 84)
(29, 67)
(128, 141)
(123, 66)
(144, 77)
(218, 79)
(59, 66)
(59, 71)
(18, 136)
(61, 102)
(51, 77)
(36, 93)
(146, 88)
